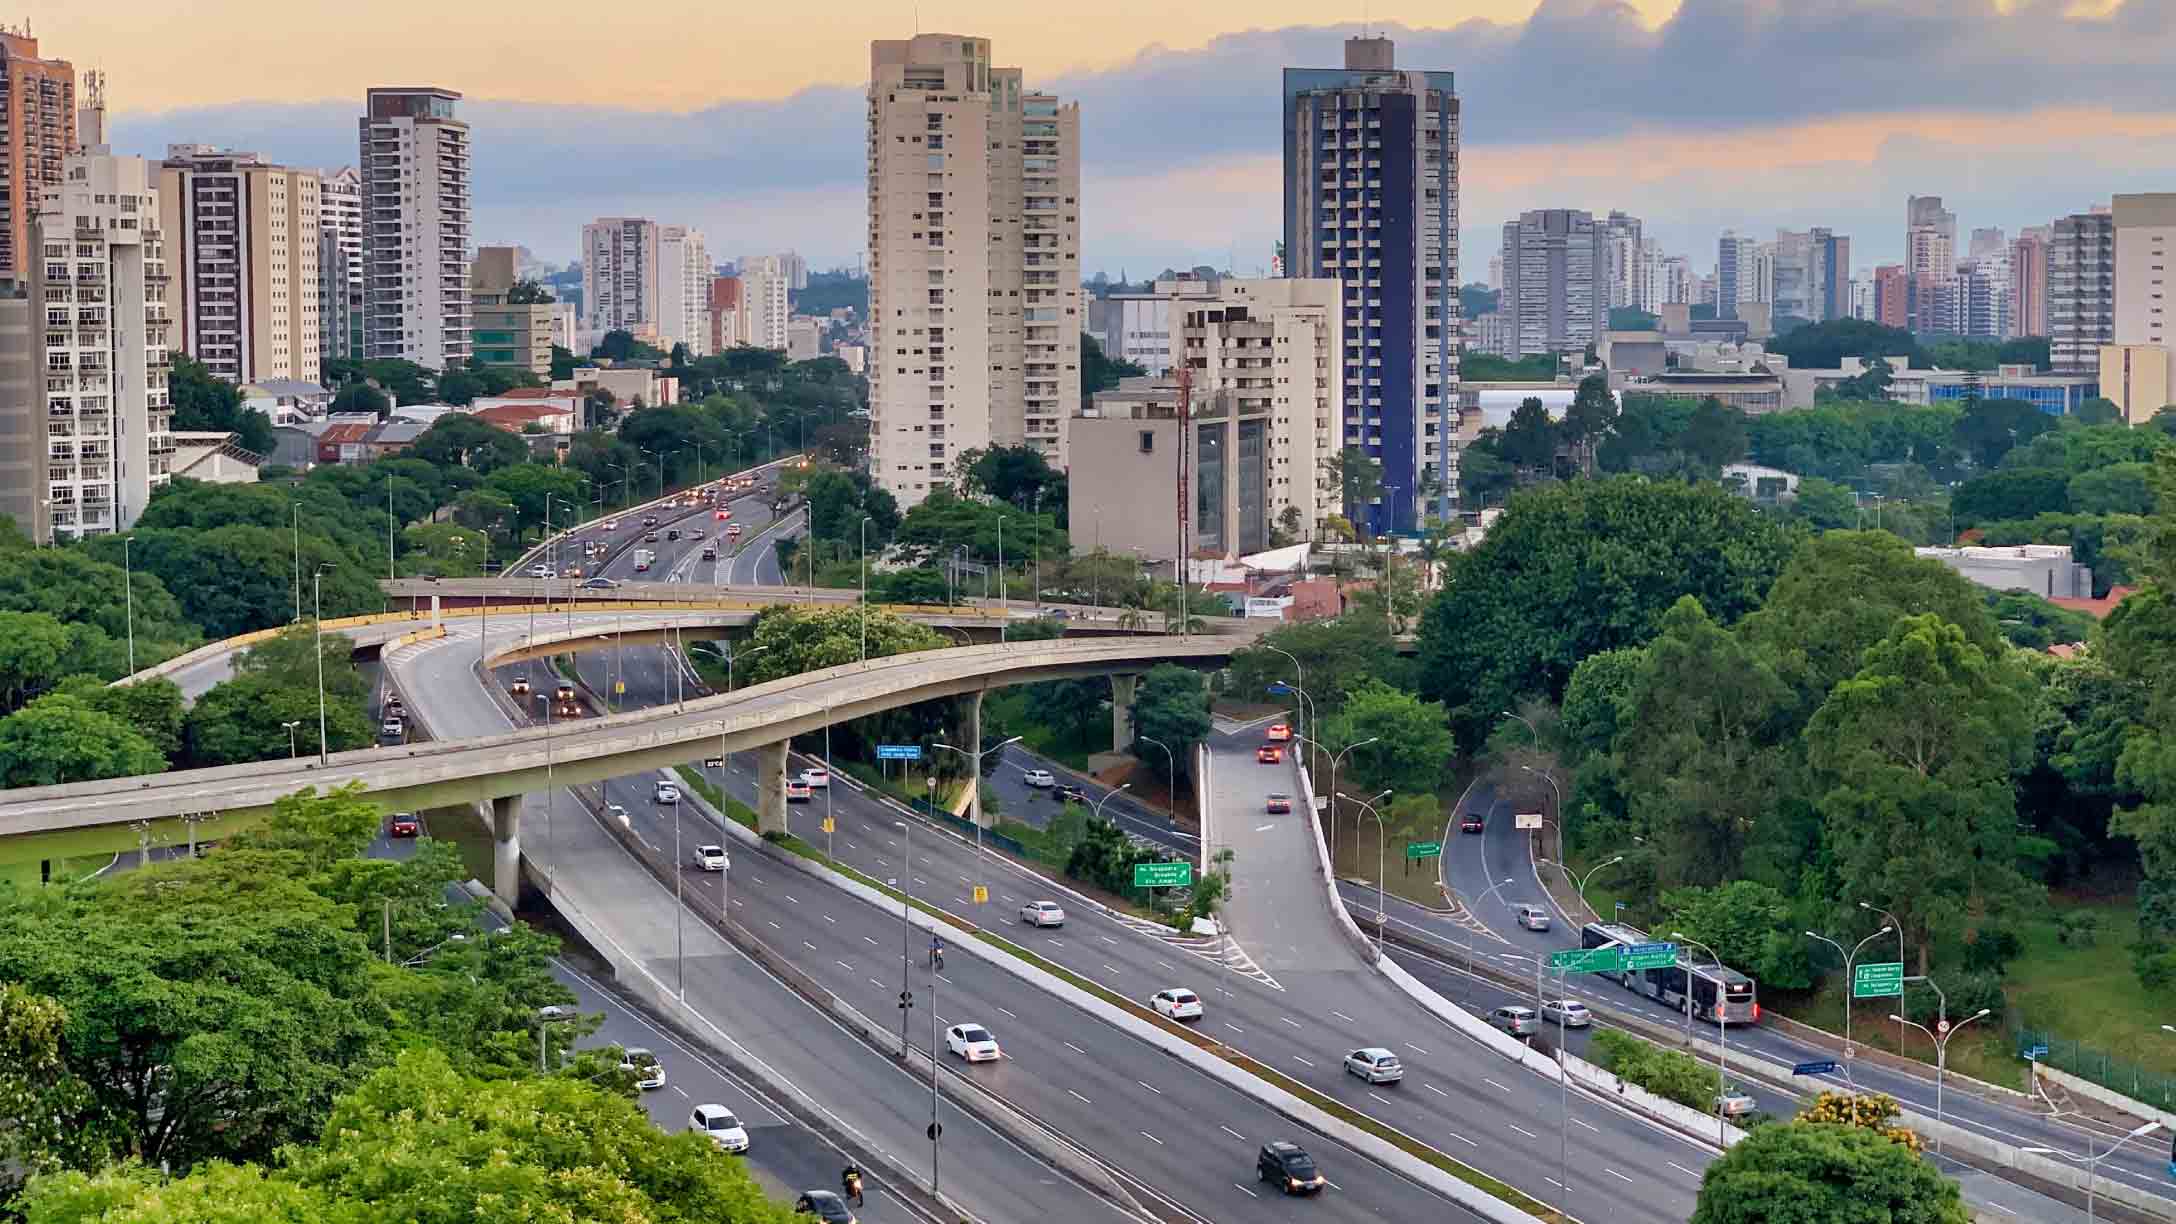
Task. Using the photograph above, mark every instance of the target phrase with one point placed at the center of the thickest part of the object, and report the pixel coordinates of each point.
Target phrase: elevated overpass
(499, 769)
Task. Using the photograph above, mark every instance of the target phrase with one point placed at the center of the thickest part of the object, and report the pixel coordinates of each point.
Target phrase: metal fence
(2147, 1087)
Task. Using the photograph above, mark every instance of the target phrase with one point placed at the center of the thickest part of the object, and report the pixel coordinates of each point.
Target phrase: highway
(1104, 1091)
(1472, 862)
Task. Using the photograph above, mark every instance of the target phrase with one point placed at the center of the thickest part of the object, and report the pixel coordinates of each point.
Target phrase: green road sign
(1421, 850)
(1879, 980)
(1162, 875)
(1659, 955)
(1588, 960)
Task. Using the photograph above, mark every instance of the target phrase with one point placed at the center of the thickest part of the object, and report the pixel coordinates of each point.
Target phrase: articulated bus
(1718, 993)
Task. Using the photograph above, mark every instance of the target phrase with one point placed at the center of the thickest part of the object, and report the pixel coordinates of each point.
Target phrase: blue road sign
(1280, 687)
(1824, 1067)
(898, 752)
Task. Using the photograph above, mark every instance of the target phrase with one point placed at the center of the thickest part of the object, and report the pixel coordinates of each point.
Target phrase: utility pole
(1185, 414)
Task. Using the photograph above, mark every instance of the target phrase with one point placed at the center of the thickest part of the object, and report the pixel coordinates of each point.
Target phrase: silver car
(1376, 1065)
(1517, 1020)
(1570, 1013)
(1533, 917)
(1736, 1103)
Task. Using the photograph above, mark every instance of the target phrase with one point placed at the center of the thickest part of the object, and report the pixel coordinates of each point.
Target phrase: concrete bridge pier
(971, 734)
(771, 788)
(1122, 687)
(506, 848)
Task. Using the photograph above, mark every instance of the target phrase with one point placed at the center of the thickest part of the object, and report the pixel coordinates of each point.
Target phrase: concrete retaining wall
(1980, 1149)
(1353, 935)
(1291, 1106)
(2104, 1095)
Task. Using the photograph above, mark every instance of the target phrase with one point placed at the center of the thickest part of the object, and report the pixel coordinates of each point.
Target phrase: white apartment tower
(97, 335)
(242, 241)
(683, 289)
(619, 277)
(340, 263)
(2145, 233)
(765, 281)
(415, 180)
(974, 261)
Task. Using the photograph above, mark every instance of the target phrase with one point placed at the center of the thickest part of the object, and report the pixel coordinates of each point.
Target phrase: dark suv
(1293, 1170)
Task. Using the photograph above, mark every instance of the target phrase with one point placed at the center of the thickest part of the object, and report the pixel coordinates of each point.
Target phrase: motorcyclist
(936, 952)
(850, 1185)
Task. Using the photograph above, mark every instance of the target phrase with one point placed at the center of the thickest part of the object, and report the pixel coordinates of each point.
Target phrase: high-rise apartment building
(2145, 229)
(1930, 238)
(1678, 284)
(94, 444)
(1371, 200)
(414, 168)
(37, 131)
(765, 308)
(1621, 248)
(1829, 268)
(974, 262)
(683, 289)
(619, 277)
(1892, 296)
(2081, 291)
(242, 242)
(1738, 274)
(725, 314)
(340, 263)
(1556, 269)
(1791, 275)
(2029, 281)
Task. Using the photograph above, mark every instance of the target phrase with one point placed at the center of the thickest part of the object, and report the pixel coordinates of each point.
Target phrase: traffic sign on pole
(1826, 1066)
(898, 752)
(1588, 960)
(1879, 980)
(1659, 955)
(1163, 875)
(1421, 850)
(1526, 820)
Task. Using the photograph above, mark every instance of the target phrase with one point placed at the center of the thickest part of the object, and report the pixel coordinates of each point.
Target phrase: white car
(712, 858)
(973, 1043)
(1041, 779)
(540, 571)
(611, 524)
(1736, 1103)
(664, 792)
(718, 1122)
(1570, 1013)
(643, 1065)
(1376, 1065)
(818, 778)
(1177, 1003)
(1042, 914)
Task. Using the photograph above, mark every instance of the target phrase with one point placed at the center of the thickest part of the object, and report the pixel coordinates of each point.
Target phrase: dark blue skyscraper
(1371, 199)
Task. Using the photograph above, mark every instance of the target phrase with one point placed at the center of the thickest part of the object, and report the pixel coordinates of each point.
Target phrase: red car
(1280, 803)
(1280, 732)
(1269, 754)
(404, 824)
(723, 515)
(1470, 824)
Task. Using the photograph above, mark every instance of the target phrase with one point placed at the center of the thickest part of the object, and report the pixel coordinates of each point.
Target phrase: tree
(527, 485)
(1715, 436)
(1357, 477)
(63, 739)
(527, 292)
(1596, 696)
(204, 402)
(797, 640)
(1751, 927)
(2119, 488)
(1581, 567)
(240, 720)
(1529, 440)
(1916, 754)
(362, 397)
(2098, 410)
(1989, 428)
(1171, 706)
(563, 362)
(1412, 747)
(83, 590)
(151, 708)
(620, 346)
(457, 440)
(1809, 1171)
(1099, 371)
(290, 659)
(1698, 741)
(1823, 346)
(32, 647)
(460, 387)
(2010, 495)
(1592, 412)
(1016, 474)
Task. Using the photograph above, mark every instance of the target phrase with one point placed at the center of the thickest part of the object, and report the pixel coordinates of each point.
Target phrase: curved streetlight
(1474, 910)
(1097, 811)
(1382, 843)
(1941, 1058)
(317, 627)
(2092, 1162)
(1336, 757)
(1558, 791)
(1579, 881)
(1849, 958)
(1892, 920)
(1722, 1032)
(974, 779)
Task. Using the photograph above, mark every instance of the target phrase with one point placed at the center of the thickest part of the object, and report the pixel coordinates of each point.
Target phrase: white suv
(665, 792)
(818, 778)
(1042, 914)
(718, 1123)
(1041, 779)
(712, 858)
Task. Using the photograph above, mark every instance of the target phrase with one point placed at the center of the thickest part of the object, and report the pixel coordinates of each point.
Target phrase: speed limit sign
(1941, 1026)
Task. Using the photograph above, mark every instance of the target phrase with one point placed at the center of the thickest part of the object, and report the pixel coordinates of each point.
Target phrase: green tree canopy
(796, 640)
(1751, 926)
(242, 720)
(1171, 706)
(458, 440)
(1825, 1173)
(203, 402)
(151, 708)
(1335, 656)
(1412, 748)
(61, 738)
(1581, 567)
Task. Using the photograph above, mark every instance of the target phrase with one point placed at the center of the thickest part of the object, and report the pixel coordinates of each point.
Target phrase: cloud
(1696, 122)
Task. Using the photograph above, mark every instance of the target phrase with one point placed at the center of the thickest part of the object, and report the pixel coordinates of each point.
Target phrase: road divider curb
(1323, 871)
(1471, 1188)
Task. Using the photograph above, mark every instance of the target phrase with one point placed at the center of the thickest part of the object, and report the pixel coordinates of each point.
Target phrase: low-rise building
(2054, 394)
(214, 458)
(1754, 391)
(286, 401)
(1123, 484)
(2046, 570)
(625, 384)
(547, 416)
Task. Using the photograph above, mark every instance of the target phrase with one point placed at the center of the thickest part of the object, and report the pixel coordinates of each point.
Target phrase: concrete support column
(1122, 711)
(436, 621)
(506, 848)
(771, 788)
(971, 733)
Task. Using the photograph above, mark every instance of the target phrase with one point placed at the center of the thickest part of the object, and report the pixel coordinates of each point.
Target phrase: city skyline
(2038, 139)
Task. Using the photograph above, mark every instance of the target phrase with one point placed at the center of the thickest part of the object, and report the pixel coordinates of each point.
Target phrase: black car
(600, 584)
(1067, 793)
(649, 520)
(674, 534)
(825, 1206)
(1292, 1169)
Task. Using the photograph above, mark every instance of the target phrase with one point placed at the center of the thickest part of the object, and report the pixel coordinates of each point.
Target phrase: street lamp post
(1335, 758)
(1171, 767)
(296, 516)
(906, 934)
(1474, 912)
(2092, 1162)
(128, 589)
(1097, 811)
(1004, 604)
(1558, 792)
(1382, 844)
(317, 610)
(864, 590)
(1579, 882)
(1722, 1034)
(1849, 958)
(290, 726)
(974, 781)
(1940, 1038)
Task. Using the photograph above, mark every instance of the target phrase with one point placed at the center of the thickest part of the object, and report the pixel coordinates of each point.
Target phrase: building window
(1148, 441)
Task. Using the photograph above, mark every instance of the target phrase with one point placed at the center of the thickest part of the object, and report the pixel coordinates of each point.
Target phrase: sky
(746, 119)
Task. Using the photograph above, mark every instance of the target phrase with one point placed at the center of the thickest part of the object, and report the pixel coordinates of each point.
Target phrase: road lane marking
(1083, 1100)
(1309, 1062)
(1386, 1100)
(1462, 1139)
(1233, 1027)
(1076, 1049)
(1290, 1021)
(1342, 1016)
(1152, 1139)
(1619, 1176)
(833, 921)
(1264, 828)
(1416, 1049)
(1162, 965)
(1229, 1131)
(806, 944)
(865, 939)
(1249, 1193)
(1008, 1012)
(1438, 1091)
(1493, 1084)
(1680, 1168)
(843, 965)
(1522, 1130)
(1589, 1125)
(1151, 1087)
(1107, 939)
